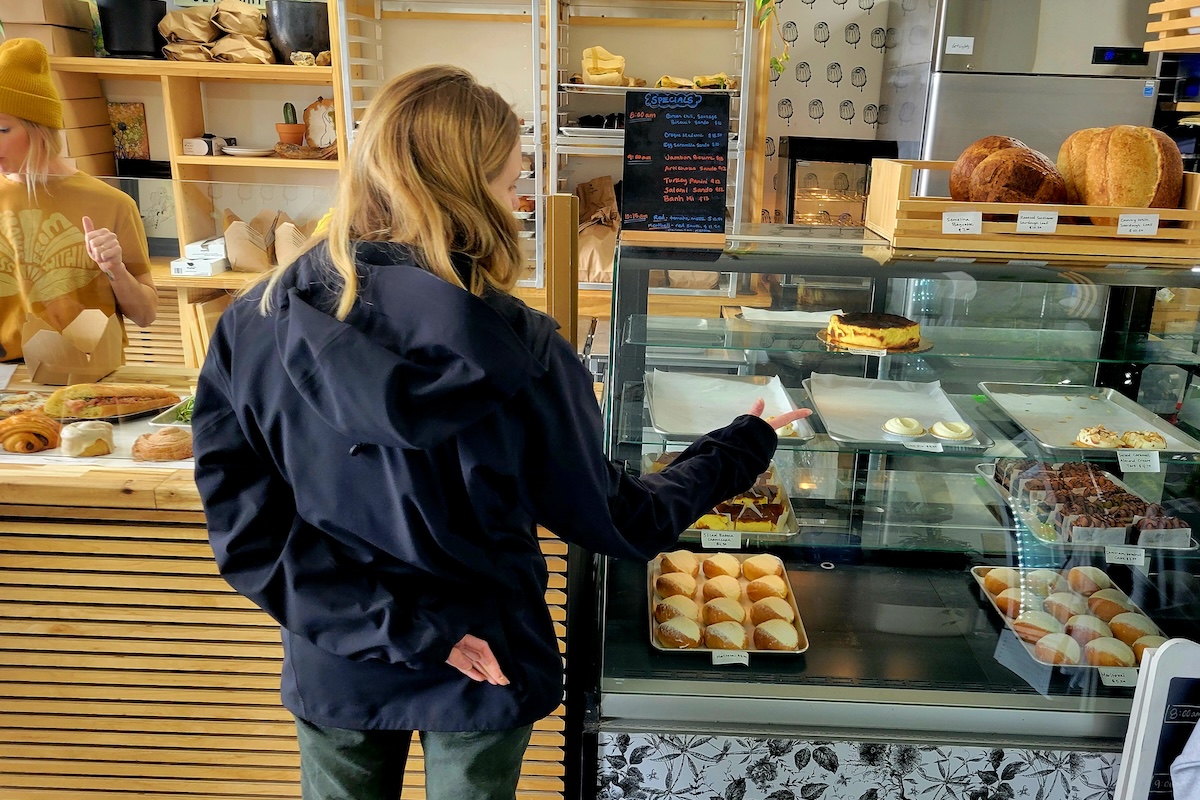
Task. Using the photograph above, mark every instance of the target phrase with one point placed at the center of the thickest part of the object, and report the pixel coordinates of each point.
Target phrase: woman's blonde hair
(419, 172)
(45, 148)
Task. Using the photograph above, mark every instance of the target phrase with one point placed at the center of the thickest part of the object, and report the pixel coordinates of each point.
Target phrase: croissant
(29, 432)
(168, 444)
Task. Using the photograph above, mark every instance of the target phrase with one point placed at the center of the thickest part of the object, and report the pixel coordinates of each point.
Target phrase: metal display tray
(1053, 415)
(832, 412)
(978, 574)
(686, 406)
(652, 572)
(1044, 531)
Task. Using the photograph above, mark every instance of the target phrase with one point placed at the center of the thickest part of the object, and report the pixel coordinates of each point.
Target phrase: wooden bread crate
(909, 221)
(1175, 18)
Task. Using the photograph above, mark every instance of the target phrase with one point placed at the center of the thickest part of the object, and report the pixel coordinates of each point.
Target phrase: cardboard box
(87, 141)
(74, 85)
(85, 112)
(66, 13)
(86, 350)
(58, 41)
(187, 267)
(213, 247)
(102, 165)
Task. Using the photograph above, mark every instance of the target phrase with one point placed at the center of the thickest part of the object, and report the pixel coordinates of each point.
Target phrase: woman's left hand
(103, 247)
(780, 421)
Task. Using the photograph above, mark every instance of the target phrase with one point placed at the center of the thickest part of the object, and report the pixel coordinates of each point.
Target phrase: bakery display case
(975, 568)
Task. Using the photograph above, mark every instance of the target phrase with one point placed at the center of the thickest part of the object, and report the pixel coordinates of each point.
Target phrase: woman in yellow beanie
(68, 241)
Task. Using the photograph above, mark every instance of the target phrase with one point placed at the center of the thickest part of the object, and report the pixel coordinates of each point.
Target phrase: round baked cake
(873, 330)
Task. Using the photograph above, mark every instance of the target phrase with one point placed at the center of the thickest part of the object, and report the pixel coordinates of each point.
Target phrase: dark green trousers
(340, 764)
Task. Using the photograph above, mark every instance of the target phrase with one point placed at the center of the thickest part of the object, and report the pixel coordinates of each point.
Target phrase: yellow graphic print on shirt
(47, 256)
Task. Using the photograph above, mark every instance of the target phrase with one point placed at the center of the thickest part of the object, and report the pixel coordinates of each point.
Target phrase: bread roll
(1084, 628)
(1108, 653)
(721, 564)
(1033, 625)
(997, 579)
(1017, 175)
(723, 609)
(771, 608)
(760, 565)
(1072, 163)
(776, 634)
(1131, 626)
(676, 606)
(1088, 580)
(721, 586)
(969, 159)
(1012, 602)
(766, 586)
(165, 444)
(684, 561)
(674, 583)
(1057, 648)
(1134, 166)
(679, 632)
(725, 636)
(1146, 643)
(1108, 603)
(1064, 605)
(1045, 582)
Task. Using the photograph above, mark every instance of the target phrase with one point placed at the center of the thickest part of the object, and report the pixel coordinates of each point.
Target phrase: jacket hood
(415, 362)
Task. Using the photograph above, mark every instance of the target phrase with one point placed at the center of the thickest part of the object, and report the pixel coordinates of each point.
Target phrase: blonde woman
(68, 241)
(378, 430)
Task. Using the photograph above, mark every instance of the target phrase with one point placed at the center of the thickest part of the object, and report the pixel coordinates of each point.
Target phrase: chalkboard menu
(676, 162)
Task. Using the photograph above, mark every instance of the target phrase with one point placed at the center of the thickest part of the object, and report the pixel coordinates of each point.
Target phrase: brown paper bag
(191, 25)
(187, 51)
(250, 246)
(234, 16)
(237, 49)
(599, 222)
(687, 279)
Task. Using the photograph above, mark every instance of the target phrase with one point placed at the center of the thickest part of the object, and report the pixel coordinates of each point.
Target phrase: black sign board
(676, 162)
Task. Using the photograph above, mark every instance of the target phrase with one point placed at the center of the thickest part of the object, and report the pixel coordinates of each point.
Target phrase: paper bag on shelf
(187, 51)
(194, 25)
(238, 49)
(250, 246)
(599, 221)
(603, 68)
(85, 351)
(233, 16)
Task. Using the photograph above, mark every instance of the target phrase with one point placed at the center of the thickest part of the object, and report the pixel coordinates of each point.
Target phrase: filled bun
(721, 586)
(723, 609)
(1084, 628)
(1131, 626)
(1057, 648)
(725, 636)
(771, 608)
(1108, 603)
(1033, 625)
(1146, 643)
(1000, 578)
(1064, 605)
(1108, 653)
(1045, 582)
(676, 606)
(1088, 580)
(721, 564)
(1012, 601)
(684, 561)
(674, 583)
(776, 634)
(766, 586)
(760, 565)
(679, 632)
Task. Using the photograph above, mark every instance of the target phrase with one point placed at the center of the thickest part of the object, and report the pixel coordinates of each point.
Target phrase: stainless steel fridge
(957, 70)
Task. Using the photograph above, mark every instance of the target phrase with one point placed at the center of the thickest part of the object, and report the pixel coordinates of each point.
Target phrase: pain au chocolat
(874, 331)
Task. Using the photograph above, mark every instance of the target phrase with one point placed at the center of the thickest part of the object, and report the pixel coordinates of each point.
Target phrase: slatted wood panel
(162, 342)
(129, 669)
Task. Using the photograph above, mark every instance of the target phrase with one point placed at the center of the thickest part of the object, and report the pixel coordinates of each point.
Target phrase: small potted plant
(289, 131)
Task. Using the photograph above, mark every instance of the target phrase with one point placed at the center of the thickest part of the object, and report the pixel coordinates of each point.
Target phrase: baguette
(98, 400)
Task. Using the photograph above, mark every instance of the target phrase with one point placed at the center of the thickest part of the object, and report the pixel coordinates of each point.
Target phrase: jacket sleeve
(586, 499)
(289, 569)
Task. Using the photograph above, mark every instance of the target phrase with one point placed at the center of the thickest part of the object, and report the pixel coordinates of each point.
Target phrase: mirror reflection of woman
(68, 241)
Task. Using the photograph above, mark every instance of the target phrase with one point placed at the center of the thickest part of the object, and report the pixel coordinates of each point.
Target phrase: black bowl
(295, 26)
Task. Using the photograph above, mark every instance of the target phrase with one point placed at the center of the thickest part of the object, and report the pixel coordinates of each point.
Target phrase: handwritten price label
(1137, 224)
(1138, 460)
(1118, 676)
(1125, 554)
(721, 540)
(960, 45)
(1037, 221)
(925, 447)
(724, 658)
(962, 222)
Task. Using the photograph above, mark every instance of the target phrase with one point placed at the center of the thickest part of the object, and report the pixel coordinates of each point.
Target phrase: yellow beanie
(25, 87)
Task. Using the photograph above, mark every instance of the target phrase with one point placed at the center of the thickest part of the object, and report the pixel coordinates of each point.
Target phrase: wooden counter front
(129, 668)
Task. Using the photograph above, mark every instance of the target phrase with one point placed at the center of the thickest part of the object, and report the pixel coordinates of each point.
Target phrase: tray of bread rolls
(764, 509)
(719, 601)
(1077, 505)
(1077, 618)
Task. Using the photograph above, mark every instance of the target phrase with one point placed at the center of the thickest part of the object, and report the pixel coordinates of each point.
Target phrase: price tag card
(1137, 224)
(954, 260)
(1028, 262)
(1138, 460)
(1118, 676)
(925, 447)
(962, 222)
(1037, 221)
(722, 658)
(1125, 554)
(960, 45)
(864, 351)
(721, 540)
(1124, 266)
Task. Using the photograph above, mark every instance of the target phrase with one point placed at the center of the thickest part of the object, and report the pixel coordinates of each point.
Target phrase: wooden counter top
(89, 486)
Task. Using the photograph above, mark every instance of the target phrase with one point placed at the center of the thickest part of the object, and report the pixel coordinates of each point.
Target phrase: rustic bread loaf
(969, 159)
(1135, 167)
(1017, 175)
(1072, 162)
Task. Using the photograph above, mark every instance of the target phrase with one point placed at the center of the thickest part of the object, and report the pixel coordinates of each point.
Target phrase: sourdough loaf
(1072, 162)
(1135, 167)
(969, 159)
(1017, 175)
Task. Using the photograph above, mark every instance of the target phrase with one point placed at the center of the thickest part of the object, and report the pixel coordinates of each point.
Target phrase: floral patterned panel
(650, 766)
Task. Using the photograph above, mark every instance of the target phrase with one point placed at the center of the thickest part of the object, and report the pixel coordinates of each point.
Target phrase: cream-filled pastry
(88, 438)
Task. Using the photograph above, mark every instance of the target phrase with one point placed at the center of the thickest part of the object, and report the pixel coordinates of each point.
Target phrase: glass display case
(914, 681)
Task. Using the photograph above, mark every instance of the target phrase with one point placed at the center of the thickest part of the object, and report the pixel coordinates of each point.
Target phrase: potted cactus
(290, 131)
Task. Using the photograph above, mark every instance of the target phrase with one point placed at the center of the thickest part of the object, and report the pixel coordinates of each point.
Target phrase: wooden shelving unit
(1172, 27)
(150, 70)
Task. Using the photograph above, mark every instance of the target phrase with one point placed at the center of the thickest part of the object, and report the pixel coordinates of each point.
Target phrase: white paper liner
(124, 435)
(803, 317)
(857, 408)
(687, 404)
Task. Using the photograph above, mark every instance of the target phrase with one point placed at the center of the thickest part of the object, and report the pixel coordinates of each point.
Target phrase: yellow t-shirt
(44, 266)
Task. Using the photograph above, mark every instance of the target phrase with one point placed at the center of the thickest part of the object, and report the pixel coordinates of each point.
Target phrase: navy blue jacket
(374, 485)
